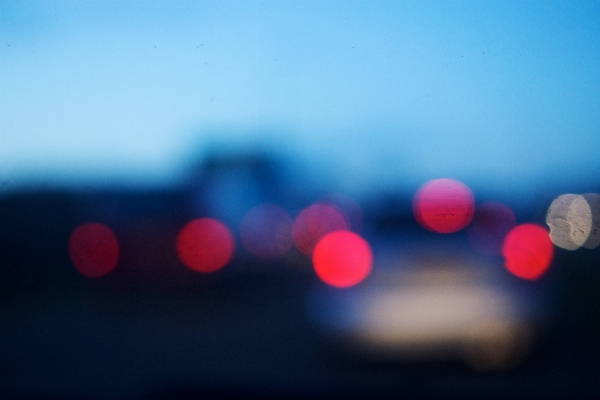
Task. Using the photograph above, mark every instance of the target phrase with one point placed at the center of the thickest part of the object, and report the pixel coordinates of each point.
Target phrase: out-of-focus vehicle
(433, 305)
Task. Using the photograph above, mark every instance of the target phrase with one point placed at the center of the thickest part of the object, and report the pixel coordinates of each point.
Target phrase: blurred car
(433, 306)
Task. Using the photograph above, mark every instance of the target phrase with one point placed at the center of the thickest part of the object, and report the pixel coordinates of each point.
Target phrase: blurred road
(246, 335)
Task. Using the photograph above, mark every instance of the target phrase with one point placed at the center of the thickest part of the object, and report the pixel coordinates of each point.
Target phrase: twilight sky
(371, 94)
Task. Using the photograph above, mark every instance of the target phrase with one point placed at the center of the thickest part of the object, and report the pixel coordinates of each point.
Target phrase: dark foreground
(249, 335)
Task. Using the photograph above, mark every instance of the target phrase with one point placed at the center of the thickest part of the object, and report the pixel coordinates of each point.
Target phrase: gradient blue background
(384, 95)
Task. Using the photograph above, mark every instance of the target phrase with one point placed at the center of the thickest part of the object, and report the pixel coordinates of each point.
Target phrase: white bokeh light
(570, 220)
(593, 240)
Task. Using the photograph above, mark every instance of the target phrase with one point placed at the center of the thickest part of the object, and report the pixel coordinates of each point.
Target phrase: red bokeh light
(313, 223)
(342, 259)
(266, 231)
(528, 251)
(205, 245)
(444, 205)
(93, 249)
(491, 223)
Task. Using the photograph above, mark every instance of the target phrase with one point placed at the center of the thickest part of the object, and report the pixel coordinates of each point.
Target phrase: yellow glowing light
(441, 311)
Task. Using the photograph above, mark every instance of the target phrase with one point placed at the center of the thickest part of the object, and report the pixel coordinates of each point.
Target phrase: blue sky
(374, 94)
